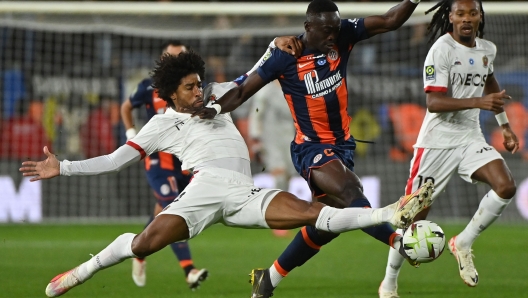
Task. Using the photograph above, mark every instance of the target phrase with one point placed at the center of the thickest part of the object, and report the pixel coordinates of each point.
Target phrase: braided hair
(440, 22)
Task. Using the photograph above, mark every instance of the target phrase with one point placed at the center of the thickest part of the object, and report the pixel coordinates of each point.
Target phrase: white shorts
(438, 165)
(218, 195)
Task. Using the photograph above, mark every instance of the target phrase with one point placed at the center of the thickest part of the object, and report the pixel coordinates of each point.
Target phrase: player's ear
(307, 26)
(451, 17)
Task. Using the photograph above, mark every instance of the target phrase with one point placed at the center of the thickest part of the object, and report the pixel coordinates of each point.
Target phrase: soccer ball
(423, 241)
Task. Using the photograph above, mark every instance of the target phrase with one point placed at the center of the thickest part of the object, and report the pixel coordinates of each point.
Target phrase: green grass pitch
(351, 266)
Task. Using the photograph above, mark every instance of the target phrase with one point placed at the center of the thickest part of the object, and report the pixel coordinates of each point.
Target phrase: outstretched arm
(392, 19)
(51, 167)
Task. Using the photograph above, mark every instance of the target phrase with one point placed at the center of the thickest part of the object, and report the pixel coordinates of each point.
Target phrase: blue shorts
(307, 156)
(166, 184)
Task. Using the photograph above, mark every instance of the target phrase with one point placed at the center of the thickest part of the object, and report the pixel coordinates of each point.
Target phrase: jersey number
(422, 180)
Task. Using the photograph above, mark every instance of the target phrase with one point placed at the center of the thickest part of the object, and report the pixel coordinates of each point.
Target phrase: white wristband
(130, 133)
(217, 107)
(272, 44)
(415, 1)
(502, 118)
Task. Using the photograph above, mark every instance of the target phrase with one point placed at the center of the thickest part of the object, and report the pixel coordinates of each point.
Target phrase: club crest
(333, 55)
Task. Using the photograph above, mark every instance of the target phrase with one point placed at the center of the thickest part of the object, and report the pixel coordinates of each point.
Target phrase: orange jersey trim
(342, 95)
(319, 118)
(298, 135)
(166, 161)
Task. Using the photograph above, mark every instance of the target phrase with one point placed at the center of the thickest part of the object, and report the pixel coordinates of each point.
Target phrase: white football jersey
(461, 72)
(193, 140)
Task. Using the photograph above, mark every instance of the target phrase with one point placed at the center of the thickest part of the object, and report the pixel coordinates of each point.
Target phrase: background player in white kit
(222, 189)
(450, 138)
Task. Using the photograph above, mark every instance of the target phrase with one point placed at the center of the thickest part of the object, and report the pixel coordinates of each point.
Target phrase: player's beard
(465, 38)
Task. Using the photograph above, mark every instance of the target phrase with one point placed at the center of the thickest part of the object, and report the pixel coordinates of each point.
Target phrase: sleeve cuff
(138, 148)
(435, 89)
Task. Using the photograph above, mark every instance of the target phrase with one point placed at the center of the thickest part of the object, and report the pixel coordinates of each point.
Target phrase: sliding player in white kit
(450, 138)
(222, 189)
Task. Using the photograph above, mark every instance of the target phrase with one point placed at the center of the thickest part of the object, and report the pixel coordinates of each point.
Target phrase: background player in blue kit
(163, 171)
(315, 87)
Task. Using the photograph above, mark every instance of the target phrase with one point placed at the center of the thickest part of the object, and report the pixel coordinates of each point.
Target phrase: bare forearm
(449, 104)
(231, 100)
(126, 115)
(399, 14)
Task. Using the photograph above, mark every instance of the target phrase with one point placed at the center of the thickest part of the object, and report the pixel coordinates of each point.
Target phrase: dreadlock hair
(320, 6)
(440, 21)
(169, 71)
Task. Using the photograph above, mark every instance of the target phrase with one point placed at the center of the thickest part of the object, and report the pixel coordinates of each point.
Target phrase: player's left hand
(46, 169)
(511, 143)
(205, 113)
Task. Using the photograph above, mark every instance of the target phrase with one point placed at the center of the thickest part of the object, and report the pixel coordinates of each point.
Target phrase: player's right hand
(290, 44)
(46, 169)
(493, 101)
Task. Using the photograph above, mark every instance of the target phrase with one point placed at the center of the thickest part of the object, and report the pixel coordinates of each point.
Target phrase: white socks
(341, 220)
(394, 263)
(114, 253)
(489, 210)
(275, 276)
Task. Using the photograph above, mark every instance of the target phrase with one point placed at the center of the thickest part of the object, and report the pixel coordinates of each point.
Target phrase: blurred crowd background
(63, 78)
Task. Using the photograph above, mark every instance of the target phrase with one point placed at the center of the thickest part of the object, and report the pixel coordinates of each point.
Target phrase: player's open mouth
(466, 29)
(198, 103)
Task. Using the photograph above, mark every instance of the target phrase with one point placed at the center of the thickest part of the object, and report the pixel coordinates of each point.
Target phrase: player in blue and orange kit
(315, 87)
(164, 174)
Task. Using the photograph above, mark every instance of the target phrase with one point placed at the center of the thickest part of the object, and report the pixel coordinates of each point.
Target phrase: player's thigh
(246, 205)
(435, 165)
(286, 211)
(201, 204)
(478, 155)
(162, 231)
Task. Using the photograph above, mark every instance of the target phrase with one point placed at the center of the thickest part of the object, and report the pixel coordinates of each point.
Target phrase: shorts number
(422, 180)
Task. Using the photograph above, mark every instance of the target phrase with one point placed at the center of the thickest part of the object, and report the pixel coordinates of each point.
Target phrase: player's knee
(349, 193)
(506, 190)
(143, 245)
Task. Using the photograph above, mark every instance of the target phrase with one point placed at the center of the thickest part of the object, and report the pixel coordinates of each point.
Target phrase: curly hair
(440, 21)
(169, 71)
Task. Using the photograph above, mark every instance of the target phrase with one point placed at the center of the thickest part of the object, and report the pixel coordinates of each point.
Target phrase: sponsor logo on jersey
(333, 55)
(303, 65)
(430, 73)
(485, 61)
(266, 57)
(317, 158)
(457, 62)
(324, 87)
(468, 79)
(471, 61)
(321, 62)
